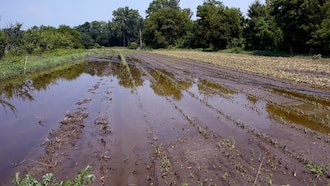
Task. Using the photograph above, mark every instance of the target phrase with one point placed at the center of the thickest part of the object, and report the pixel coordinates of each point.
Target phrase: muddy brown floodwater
(159, 120)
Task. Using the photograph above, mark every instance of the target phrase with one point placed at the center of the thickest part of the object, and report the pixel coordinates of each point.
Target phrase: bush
(133, 45)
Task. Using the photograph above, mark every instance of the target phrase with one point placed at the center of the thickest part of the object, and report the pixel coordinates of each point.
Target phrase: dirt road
(159, 120)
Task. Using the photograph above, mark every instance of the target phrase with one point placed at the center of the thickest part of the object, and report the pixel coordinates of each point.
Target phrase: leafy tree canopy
(167, 27)
(297, 19)
(218, 26)
(157, 5)
(126, 23)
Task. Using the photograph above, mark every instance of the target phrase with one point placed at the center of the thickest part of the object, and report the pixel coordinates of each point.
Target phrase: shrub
(133, 45)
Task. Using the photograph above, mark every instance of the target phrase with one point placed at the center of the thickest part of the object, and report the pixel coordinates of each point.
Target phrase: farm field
(165, 118)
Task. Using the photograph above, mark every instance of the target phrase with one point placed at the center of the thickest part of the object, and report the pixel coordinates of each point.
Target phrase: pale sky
(77, 12)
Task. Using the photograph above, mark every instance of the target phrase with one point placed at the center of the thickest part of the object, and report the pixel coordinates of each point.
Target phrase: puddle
(32, 108)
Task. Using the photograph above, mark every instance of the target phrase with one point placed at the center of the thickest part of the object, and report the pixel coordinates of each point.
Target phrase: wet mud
(159, 120)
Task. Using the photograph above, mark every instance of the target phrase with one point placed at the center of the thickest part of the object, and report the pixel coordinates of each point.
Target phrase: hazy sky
(76, 12)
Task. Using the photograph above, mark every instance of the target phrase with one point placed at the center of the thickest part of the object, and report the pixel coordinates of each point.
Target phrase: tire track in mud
(270, 142)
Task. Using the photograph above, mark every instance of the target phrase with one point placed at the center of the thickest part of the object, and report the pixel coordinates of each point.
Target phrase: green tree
(13, 35)
(126, 24)
(218, 26)
(261, 31)
(320, 40)
(71, 36)
(297, 19)
(46, 38)
(167, 27)
(100, 33)
(87, 41)
(31, 40)
(96, 32)
(157, 5)
(2, 45)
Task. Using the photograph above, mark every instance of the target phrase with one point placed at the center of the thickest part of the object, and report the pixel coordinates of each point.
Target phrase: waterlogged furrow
(130, 144)
(204, 133)
(208, 133)
(262, 116)
(317, 115)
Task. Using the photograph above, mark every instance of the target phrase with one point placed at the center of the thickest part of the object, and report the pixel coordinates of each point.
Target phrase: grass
(315, 72)
(15, 66)
(318, 170)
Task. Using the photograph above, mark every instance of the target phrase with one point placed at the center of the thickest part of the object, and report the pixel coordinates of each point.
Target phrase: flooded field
(150, 119)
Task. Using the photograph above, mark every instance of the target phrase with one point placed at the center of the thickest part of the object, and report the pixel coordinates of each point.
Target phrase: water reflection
(5, 104)
(293, 117)
(164, 86)
(205, 86)
(44, 80)
(24, 89)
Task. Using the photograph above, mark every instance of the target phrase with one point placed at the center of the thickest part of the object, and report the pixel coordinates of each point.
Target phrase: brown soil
(192, 123)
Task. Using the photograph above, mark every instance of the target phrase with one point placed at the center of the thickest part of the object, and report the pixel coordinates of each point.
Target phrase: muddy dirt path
(160, 120)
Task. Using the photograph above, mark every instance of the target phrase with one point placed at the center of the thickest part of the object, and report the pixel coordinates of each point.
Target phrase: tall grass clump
(15, 66)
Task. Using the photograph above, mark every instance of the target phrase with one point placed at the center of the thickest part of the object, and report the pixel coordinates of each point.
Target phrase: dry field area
(312, 71)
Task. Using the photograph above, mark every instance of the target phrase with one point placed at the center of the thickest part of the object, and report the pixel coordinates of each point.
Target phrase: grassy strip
(31, 64)
(315, 72)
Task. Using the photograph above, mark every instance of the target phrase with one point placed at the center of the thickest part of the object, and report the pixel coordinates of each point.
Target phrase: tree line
(300, 26)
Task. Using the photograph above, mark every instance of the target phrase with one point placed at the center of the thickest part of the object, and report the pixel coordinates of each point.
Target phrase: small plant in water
(83, 178)
(317, 169)
(229, 142)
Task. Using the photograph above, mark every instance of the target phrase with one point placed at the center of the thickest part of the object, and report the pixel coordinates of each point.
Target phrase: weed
(319, 170)
(225, 176)
(203, 132)
(158, 150)
(270, 179)
(191, 175)
(229, 142)
(83, 178)
(165, 166)
(184, 184)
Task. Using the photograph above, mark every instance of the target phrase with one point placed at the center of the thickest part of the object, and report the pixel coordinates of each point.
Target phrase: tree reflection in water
(5, 104)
